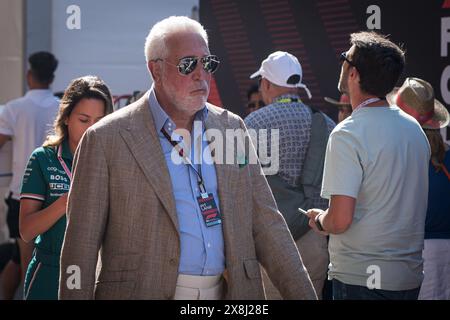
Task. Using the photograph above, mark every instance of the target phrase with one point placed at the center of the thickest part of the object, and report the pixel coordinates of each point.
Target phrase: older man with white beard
(166, 225)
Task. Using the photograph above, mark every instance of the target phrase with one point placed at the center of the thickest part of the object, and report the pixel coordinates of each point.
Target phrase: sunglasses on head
(186, 65)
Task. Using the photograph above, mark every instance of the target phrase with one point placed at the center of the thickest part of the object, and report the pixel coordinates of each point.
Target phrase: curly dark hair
(379, 62)
(42, 66)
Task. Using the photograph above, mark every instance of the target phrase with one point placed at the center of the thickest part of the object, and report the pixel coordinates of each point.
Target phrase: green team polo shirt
(45, 180)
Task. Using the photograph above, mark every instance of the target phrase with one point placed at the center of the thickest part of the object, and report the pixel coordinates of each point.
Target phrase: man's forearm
(328, 224)
(337, 218)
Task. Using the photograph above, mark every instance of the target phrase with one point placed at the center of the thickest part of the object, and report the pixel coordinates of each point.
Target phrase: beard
(184, 102)
(343, 81)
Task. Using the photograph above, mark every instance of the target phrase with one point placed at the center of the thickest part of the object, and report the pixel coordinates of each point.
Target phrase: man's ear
(29, 78)
(354, 74)
(154, 68)
(264, 88)
(265, 84)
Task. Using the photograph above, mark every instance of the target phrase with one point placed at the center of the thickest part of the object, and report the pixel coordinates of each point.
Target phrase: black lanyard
(186, 158)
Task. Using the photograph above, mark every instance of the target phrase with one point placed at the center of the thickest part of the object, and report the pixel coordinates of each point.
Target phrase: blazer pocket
(119, 268)
(127, 262)
(252, 269)
(114, 290)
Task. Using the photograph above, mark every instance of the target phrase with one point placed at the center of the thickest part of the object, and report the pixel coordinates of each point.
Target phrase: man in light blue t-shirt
(376, 177)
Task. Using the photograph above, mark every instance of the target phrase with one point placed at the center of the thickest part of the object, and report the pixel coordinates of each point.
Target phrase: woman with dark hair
(47, 179)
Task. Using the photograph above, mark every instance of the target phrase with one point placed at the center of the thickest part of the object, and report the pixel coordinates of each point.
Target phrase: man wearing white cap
(280, 79)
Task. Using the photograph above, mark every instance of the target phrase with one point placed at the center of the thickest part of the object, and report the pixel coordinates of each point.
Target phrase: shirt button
(209, 245)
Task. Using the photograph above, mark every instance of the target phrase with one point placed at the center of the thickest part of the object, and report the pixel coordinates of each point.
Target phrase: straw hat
(416, 97)
(344, 100)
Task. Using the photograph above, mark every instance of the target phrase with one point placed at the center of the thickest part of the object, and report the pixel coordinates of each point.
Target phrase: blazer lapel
(141, 137)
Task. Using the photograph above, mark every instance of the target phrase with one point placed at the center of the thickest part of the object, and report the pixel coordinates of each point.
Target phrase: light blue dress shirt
(202, 248)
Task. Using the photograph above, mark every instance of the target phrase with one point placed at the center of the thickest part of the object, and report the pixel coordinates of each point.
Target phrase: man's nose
(199, 72)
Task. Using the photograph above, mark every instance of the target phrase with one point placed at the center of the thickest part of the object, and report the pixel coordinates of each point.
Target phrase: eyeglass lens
(188, 64)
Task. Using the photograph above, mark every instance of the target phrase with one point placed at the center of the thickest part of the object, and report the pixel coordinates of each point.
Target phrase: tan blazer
(122, 228)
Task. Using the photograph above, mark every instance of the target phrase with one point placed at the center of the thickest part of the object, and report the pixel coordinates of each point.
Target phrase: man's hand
(314, 214)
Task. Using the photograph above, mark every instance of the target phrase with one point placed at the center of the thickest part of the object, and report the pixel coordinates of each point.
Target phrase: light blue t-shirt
(379, 156)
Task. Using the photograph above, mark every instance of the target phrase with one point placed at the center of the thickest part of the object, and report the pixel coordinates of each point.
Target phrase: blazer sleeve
(275, 247)
(87, 212)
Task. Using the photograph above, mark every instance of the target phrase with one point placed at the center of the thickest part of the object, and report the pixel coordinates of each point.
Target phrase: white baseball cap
(283, 69)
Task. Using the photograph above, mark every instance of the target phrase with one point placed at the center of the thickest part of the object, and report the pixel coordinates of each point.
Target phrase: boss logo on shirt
(58, 177)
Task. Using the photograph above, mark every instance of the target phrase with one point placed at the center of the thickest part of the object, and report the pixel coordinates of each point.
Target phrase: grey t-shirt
(380, 157)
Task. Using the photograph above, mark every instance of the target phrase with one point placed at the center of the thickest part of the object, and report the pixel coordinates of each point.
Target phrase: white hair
(155, 44)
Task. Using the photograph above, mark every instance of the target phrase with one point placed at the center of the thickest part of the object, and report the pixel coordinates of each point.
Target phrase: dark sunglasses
(187, 65)
(343, 58)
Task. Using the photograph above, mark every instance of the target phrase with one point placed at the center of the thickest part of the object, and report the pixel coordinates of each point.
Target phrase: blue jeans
(342, 291)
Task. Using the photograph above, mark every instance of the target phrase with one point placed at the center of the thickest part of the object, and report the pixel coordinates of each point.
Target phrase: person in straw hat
(416, 97)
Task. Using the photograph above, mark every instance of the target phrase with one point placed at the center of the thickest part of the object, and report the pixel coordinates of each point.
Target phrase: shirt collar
(287, 97)
(162, 120)
(33, 92)
(38, 93)
(42, 97)
(65, 152)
